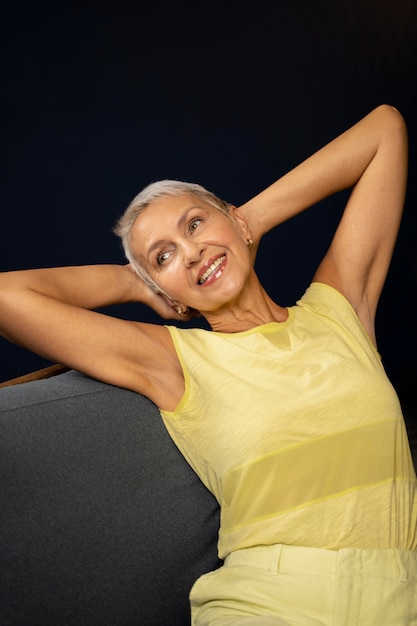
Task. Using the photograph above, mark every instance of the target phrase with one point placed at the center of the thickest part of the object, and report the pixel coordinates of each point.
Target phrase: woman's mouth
(211, 270)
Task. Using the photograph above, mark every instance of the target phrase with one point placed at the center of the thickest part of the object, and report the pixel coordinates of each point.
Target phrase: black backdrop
(100, 98)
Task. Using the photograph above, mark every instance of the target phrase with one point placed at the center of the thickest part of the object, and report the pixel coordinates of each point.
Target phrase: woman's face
(194, 252)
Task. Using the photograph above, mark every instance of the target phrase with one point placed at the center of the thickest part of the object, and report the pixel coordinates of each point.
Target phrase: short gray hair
(158, 189)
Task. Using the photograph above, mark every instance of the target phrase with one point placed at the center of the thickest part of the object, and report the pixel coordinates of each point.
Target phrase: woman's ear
(241, 224)
(181, 309)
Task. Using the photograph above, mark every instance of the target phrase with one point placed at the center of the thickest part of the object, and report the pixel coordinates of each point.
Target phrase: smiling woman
(195, 255)
(285, 413)
(155, 191)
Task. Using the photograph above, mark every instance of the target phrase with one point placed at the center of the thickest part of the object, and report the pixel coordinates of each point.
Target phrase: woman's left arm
(371, 157)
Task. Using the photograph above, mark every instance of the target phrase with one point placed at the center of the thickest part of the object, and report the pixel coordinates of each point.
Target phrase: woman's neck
(254, 308)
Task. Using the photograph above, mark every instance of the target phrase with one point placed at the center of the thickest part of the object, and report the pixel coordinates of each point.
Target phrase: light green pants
(293, 586)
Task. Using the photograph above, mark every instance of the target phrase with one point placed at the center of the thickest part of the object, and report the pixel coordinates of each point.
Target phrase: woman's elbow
(391, 119)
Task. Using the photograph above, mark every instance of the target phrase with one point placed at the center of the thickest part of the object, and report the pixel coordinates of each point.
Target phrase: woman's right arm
(51, 312)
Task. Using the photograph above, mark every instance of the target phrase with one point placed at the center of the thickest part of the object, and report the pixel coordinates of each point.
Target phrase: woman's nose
(192, 252)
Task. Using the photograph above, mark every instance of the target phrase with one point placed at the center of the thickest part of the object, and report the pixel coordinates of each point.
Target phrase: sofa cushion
(102, 520)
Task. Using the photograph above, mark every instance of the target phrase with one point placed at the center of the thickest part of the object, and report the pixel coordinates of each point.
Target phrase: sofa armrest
(42, 374)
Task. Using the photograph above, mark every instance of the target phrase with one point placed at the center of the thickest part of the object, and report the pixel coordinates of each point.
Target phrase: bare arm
(49, 312)
(371, 158)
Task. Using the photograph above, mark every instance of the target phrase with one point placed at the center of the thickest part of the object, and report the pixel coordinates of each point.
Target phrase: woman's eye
(194, 224)
(162, 257)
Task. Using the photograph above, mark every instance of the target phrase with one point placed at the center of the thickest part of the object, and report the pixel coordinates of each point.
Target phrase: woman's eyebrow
(184, 216)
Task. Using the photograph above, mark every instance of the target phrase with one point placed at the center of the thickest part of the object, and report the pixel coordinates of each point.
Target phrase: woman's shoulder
(321, 296)
(324, 302)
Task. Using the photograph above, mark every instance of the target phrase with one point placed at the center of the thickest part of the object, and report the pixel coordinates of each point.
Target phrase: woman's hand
(161, 304)
(167, 310)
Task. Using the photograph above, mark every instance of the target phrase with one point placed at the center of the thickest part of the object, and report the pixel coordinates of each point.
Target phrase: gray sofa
(102, 522)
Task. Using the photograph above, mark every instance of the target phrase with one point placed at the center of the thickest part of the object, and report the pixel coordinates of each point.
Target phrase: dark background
(100, 98)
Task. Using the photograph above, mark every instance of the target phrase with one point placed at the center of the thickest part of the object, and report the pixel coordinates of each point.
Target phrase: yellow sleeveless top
(296, 430)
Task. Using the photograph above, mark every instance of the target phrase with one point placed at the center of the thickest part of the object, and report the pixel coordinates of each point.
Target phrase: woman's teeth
(211, 269)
